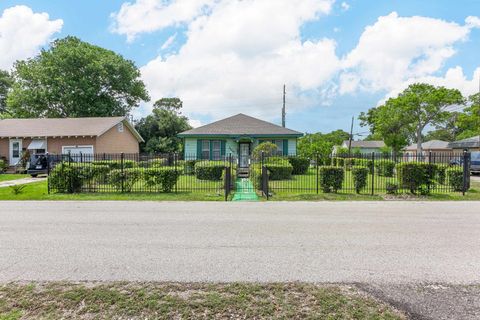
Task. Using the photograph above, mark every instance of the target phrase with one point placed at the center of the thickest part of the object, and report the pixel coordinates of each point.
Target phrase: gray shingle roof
(430, 145)
(365, 144)
(473, 142)
(240, 124)
(61, 127)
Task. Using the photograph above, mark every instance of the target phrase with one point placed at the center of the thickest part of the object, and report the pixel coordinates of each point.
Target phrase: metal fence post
(175, 158)
(227, 180)
(48, 172)
(466, 171)
(316, 164)
(122, 170)
(373, 173)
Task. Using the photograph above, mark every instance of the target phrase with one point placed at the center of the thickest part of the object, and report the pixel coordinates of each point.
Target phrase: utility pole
(283, 109)
(350, 139)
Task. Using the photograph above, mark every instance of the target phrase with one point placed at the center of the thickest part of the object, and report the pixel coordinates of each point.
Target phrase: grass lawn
(9, 177)
(188, 301)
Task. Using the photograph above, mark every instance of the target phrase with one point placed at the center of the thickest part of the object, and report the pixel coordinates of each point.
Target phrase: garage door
(79, 153)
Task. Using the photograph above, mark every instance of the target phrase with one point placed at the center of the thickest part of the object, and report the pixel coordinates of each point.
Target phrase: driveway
(368, 242)
(10, 183)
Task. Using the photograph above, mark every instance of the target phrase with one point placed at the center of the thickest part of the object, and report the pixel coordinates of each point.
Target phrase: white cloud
(195, 123)
(396, 49)
(345, 6)
(236, 60)
(23, 32)
(168, 42)
(151, 15)
(473, 22)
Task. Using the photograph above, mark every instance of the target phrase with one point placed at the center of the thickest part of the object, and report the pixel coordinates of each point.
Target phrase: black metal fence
(364, 174)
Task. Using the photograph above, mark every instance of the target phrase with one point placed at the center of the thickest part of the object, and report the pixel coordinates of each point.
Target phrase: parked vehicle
(39, 163)
(475, 162)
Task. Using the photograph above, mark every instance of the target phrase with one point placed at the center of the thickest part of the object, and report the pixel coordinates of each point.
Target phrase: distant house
(237, 136)
(68, 135)
(435, 146)
(471, 144)
(363, 146)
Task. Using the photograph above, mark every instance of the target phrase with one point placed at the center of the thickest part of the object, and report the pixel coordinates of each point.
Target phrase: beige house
(68, 135)
(434, 146)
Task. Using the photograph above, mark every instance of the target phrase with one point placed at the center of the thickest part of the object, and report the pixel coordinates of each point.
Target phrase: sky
(223, 57)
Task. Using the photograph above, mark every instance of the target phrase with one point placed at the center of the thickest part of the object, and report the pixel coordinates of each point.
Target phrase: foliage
(331, 178)
(3, 165)
(468, 122)
(189, 166)
(454, 177)
(164, 178)
(391, 187)
(348, 163)
(65, 178)
(256, 176)
(447, 131)
(209, 170)
(17, 189)
(406, 116)
(160, 129)
(414, 175)
(75, 79)
(6, 83)
(300, 165)
(115, 164)
(268, 148)
(320, 145)
(338, 161)
(339, 150)
(279, 171)
(384, 167)
(365, 163)
(360, 175)
(124, 180)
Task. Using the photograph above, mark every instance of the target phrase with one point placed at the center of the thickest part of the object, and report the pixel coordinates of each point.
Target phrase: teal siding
(199, 149)
(285, 147)
(222, 148)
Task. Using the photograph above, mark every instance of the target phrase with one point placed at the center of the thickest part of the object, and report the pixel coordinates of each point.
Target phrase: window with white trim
(205, 149)
(216, 149)
(120, 127)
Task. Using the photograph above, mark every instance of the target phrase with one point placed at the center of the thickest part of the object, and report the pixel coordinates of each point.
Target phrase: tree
(160, 129)
(447, 131)
(75, 79)
(6, 82)
(468, 122)
(268, 149)
(313, 144)
(407, 115)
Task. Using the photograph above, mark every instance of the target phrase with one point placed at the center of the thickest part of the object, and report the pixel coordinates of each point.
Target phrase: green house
(237, 136)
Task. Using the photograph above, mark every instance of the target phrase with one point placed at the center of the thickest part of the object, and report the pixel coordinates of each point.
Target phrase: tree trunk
(419, 142)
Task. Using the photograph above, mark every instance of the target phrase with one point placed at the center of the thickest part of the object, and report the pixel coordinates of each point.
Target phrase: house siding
(292, 147)
(4, 153)
(114, 141)
(54, 145)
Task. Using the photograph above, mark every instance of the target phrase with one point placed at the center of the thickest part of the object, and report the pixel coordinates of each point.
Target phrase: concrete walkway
(369, 242)
(9, 183)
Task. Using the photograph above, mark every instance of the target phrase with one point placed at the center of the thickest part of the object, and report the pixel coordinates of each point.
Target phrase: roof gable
(240, 124)
(62, 127)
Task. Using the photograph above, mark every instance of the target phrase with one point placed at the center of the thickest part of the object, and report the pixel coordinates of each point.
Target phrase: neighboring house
(68, 135)
(237, 136)
(435, 146)
(362, 146)
(471, 144)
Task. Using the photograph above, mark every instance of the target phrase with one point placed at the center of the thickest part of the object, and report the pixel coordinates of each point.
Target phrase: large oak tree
(75, 79)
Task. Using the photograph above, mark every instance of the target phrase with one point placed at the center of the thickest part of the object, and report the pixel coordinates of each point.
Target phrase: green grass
(9, 177)
(189, 301)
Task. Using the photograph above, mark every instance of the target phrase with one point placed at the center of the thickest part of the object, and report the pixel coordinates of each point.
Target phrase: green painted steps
(245, 190)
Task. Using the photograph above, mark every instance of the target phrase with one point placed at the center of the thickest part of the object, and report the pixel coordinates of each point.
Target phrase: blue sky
(338, 58)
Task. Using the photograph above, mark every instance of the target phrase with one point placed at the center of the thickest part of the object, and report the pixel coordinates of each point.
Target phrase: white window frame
(207, 151)
(216, 154)
(120, 127)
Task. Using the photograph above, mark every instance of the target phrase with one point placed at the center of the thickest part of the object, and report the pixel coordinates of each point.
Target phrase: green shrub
(300, 165)
(340, 162)
(209, 170)
(124, 180)
(391, 188)
(364, 163)
(441, 173)
(189, 166)
(268, 148)
(414, 175)
(331, 178)
(348, 163)
(116, 164)
(360, 175)
(454, 177)
(65, 178)
(384, 167)
(3, 165)
(164, 178)
(281, 171)
(256, 176)
(275, 160)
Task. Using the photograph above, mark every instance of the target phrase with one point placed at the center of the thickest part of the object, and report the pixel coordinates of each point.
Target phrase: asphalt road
(368, 242)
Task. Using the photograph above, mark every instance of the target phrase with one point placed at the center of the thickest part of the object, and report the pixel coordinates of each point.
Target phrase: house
(471, 144)
(237, 136)
(67, 135)
(362, 146)
(434, 146)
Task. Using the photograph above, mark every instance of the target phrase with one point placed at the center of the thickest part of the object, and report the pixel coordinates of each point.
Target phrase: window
(216, 150)
(16, 150)
(120, 127)
(279, 144)
(205, 149)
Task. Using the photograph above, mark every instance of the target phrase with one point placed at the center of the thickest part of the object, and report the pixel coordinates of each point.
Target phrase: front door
(15, 151)
(244, 154)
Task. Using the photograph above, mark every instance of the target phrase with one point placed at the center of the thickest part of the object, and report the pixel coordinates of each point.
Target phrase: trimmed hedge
(360, 175)
(65, 178)
(3, 165)
(279, 171)
(364, 163)
(415, 175)
(300, 165)
(209, 170)
(116, 164)
(454, 177)
(125, 179)
(384, 167)
(391, 188)
(348, 163)
(163, 178)
(331, 178)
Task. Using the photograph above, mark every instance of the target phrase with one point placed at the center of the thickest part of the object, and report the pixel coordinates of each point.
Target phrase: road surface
(374, 242)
